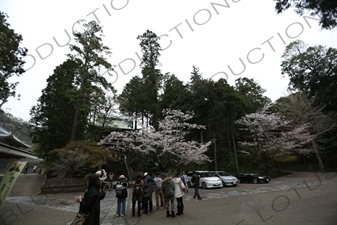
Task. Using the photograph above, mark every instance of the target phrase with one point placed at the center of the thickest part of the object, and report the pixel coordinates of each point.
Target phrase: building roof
(12, 147)
(121, 125)
(8, 138)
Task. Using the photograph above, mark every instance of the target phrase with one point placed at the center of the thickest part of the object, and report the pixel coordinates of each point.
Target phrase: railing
(71, 184)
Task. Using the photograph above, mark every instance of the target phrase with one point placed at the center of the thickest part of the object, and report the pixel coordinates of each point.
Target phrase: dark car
(252, 177)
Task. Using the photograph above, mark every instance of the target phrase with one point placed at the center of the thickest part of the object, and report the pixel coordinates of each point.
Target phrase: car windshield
(209, 174)
(223, 173)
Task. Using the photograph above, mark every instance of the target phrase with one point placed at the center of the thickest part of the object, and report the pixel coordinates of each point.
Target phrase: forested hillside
(20, 128)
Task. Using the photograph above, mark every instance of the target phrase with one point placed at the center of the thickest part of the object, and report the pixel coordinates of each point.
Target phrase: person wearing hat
(121, 197)
(150, 187)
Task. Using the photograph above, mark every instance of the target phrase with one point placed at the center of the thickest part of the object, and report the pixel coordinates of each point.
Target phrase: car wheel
(255, 181)
(203, 185)
(223, 184)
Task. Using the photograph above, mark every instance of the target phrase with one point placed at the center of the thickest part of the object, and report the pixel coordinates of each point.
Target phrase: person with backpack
(121, 195)
(137, 193)
(168, 189)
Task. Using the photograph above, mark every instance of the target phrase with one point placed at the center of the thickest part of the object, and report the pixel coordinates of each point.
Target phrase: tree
(252, 93)
(326, 10)
(90, 56)
(273, 136)
(77, 158)
(151, 74)
(11, 59)
(132, 100)
(174, 94)
(312, 70)
(52, 116)
(300, 108)
(166, 147)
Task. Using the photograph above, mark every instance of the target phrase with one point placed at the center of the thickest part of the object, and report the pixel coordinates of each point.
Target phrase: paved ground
(301, 198)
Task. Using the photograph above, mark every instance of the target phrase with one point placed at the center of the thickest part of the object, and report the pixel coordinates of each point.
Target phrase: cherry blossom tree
(274, 136)
(166, 147)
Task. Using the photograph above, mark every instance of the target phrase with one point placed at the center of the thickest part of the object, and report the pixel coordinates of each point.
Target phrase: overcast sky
(228, 39)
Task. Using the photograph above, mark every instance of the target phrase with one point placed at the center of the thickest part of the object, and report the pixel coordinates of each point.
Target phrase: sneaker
(118, 215)
(123, 215)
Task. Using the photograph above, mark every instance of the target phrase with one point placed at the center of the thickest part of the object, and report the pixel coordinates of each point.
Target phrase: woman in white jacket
(179, 192)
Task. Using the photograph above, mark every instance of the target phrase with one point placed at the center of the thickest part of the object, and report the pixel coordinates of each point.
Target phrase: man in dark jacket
(150, 187)
(196, 182)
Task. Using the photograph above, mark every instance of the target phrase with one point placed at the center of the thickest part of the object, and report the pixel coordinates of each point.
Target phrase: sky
(224, 39)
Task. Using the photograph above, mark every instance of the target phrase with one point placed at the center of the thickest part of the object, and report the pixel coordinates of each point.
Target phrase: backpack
(119, 189)
(137, 190)
(168, 188)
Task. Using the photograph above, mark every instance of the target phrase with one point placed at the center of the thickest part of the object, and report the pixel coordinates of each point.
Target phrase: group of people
(167, 190)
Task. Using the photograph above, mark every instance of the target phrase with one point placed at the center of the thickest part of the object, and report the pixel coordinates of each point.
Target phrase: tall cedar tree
(151, 74)
(11, 59)
(90, 56)
(53, 114)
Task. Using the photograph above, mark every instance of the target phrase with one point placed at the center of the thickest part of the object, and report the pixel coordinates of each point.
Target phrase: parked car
(207, 179)
(226, 178)
(252, 177)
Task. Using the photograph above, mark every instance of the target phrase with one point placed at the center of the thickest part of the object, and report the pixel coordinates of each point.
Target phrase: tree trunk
(319, 159)
(75, 121)
(215, 157)
(234, 147)
(201, 137)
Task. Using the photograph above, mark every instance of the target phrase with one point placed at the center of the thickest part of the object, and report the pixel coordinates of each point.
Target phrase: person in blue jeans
(121, 197)
(196, 181)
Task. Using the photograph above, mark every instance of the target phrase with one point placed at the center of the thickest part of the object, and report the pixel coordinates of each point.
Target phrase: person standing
(137, 193)
(110, 180)
(150, 187)
(179, 192)
(121, 195)
(168, 189)
(102, 177)
(196, 182)
(185, 180)
(158, 192)
(34, 168)
(90, 201)
(26, 168)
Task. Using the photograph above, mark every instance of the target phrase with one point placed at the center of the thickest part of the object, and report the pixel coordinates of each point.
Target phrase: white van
(226, 178)
(207, 179)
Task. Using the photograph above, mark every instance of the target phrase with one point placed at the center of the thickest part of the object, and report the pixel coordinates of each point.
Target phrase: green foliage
(151, 75)
(312, 70)
(90, 56)
(53, 114)
(286, 158)
(252, 93)
(11, 59)
(77, 159)
(326, 10)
